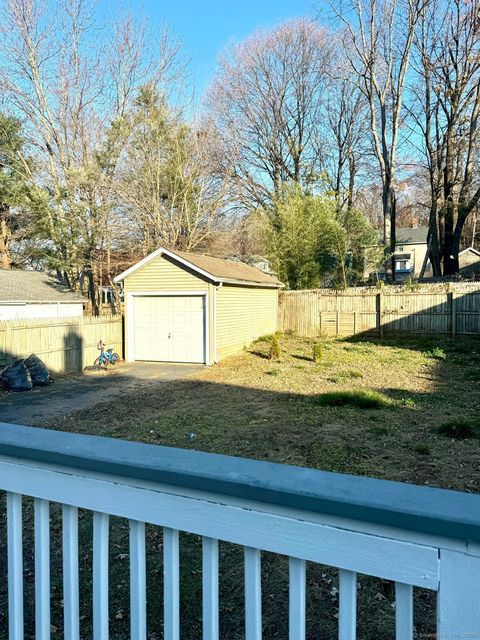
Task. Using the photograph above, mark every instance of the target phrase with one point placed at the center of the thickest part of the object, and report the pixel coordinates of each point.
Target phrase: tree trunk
(351, 180)
(433, 243)
(450, 255)
(5, 239)
(452, 264)
(92, 293)
(389, 203)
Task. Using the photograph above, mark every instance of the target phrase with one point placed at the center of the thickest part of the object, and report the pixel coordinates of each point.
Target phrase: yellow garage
(185, 307)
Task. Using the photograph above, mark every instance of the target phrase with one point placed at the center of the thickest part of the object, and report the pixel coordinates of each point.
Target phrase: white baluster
(71, 615)
(15, 566)
(210, 588)
(100, 576)
(403, 611)
(138, 589)
(296, 622)
(171, 581)
(253, 594)
(347, 621)
(42, 569)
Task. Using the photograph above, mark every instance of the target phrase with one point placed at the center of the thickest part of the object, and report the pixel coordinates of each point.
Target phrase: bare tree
(266, 101)
(346, 125)
(447, 114)
(168, 186)
(71, 82)
(378, 45)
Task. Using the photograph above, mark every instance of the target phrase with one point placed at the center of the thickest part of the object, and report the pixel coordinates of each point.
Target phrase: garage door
(169, 328)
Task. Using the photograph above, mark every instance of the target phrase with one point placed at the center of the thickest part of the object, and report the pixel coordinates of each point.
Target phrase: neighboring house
(35, 294)
(185, 307)
(469, 261)
(259, 262)
(410, 252)
(262, 263)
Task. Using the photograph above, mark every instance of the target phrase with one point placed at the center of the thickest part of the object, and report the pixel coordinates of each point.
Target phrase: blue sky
(206, 27)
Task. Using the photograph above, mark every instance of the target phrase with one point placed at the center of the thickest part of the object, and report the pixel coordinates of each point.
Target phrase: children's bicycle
(106, 357)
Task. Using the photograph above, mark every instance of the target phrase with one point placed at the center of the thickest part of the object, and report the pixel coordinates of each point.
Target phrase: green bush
(460, 429)
(436, 354)
(361, 398)
(317, 352)
(274, 349)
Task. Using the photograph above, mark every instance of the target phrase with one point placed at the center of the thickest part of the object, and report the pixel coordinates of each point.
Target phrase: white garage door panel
(169, 328)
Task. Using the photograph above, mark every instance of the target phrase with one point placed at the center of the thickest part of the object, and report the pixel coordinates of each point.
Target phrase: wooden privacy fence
(317, 312)
(65, 345)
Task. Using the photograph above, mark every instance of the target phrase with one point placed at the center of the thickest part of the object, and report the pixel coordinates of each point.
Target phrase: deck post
(458, 604)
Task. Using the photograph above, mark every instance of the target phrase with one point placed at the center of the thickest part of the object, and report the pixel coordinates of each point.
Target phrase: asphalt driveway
(72, 393)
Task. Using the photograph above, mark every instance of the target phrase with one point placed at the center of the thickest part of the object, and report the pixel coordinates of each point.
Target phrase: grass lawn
(280, 410)
(396, 409)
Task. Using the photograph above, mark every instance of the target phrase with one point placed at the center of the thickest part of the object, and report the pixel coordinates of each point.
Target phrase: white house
(36, 294)
(469, 260)
(410, 251)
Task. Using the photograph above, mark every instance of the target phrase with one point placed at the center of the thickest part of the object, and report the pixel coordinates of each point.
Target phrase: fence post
(354, 323)
(380, 313)
(453, 314)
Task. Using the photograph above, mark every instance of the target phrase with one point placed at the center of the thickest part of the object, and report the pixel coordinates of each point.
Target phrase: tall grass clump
(360, 398)
(274, 349)
(460, 429)
(317, 352)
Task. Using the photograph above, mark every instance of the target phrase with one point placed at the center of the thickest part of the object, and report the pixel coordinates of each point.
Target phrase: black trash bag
(38, 371)
(16, 377)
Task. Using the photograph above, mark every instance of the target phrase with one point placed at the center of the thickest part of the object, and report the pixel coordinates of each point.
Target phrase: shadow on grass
(300, 357)
(260, 354)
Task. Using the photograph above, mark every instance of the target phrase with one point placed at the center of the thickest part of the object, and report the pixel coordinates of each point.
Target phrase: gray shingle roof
(216, 269)
(228, 269)
(34, 286)
(415, 235)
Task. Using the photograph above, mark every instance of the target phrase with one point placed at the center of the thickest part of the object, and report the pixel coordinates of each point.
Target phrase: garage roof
(34, 286)
(216, 269)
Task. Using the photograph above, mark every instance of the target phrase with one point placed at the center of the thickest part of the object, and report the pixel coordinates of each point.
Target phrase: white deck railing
(414, 536)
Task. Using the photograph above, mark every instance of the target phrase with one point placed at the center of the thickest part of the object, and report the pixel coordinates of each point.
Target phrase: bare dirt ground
(76, 392)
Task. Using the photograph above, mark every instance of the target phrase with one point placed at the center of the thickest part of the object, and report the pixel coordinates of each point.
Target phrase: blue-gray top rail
(441, 512)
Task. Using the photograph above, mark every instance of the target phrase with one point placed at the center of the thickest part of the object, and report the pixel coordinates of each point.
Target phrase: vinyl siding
(163, 275)
(417, 253)
(243, 314)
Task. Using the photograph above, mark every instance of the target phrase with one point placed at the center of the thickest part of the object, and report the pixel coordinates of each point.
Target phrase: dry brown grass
(251, 406)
